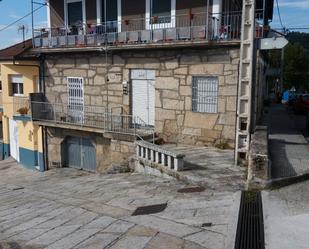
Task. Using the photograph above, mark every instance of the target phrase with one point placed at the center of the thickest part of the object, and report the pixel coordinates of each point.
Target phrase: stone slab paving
(209, 166)
(286, 217)
(289, 150)
(67, 208)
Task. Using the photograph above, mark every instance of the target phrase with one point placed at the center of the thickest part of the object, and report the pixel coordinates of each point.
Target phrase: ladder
(245, 81)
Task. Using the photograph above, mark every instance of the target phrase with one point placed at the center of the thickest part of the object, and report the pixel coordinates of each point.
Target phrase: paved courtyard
(67, 208)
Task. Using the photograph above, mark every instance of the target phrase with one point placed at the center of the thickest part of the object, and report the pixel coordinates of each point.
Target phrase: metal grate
(76, 98)
(191, 190)
(153, 209)
(250, 228)
(205, 94)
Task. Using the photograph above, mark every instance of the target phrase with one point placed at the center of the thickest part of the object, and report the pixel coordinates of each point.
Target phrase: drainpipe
(44, 129)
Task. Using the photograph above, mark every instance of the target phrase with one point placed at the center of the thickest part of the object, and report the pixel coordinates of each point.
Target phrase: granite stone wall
(175, 121)
(109, 153)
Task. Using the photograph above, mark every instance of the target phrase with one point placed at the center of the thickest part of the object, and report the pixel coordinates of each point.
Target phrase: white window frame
(99, 13)
(66, 16)
(18, 83)
(171, 24)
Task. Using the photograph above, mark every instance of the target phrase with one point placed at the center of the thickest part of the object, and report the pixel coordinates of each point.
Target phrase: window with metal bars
(205, 94)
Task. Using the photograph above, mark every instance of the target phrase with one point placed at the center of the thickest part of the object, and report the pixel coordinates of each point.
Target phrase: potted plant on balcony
(154, 19)
(23, 111)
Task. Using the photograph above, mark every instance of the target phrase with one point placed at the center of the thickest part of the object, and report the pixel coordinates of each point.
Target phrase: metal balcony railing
(157, 29)
(90, 116)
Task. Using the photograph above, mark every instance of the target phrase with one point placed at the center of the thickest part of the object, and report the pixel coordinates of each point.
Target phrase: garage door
(143, 95)
(80, 154)
(14, 144)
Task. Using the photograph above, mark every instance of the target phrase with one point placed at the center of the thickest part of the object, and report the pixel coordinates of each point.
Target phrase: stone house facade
(171, 67)
(175, 122)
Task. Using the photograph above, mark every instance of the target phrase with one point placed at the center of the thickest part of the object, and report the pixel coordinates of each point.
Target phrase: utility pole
(32, 21)
(32, 15)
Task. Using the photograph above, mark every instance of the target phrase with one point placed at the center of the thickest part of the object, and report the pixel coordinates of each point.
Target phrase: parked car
(301, 104)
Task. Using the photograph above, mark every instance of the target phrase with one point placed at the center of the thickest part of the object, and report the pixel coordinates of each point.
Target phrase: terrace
(89, 118)
(186, 29)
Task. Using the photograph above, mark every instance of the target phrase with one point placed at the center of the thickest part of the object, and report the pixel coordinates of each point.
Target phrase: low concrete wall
(259, 161)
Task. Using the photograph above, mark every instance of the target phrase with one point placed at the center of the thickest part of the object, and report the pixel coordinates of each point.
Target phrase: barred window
(205, 94)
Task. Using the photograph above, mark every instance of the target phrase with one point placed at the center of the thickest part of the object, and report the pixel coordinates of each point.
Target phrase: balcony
(21, 108)
(88, 118)
(157, 31)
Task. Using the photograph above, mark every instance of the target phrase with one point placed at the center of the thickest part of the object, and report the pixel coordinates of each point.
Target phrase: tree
(296, 66)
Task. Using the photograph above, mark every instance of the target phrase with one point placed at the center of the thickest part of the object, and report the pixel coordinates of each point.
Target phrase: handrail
(160, 28)
(90, 116)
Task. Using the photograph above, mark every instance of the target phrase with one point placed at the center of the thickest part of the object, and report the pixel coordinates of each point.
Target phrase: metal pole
(264, 18)
(32, 22)
(105, 29)
(282, 68)
(207, 21)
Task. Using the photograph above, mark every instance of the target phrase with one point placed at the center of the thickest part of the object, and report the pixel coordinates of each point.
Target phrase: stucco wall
(29, 139)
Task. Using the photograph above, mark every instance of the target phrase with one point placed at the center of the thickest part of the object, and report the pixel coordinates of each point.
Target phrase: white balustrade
(159, 155)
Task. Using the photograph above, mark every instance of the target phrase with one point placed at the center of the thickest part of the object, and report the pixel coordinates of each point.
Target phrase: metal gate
(76, 99)
(143, 95)
(80, 153)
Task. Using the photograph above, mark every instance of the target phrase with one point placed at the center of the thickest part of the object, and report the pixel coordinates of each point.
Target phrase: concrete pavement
(286, 217)
(67, 208)
(289, 150)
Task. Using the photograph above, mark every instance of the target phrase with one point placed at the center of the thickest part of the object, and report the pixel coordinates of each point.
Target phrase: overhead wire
(279, 14)
(18, 20)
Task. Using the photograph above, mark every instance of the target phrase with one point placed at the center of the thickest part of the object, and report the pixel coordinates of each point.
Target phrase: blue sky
(12, 10)
(294, 14)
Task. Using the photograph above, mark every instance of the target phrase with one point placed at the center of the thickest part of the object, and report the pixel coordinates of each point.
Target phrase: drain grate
(191, 190)
(153, 209)
(250, 228)
(208, 224)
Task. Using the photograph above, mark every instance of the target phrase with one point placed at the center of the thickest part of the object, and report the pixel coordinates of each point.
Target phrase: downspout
(44, 129)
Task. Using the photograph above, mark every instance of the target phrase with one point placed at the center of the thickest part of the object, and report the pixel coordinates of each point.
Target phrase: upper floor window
(109, 14)
(75, 12)
(111, 10)
(205, 94)
(162, 10)
(16, 85)
(160, 13)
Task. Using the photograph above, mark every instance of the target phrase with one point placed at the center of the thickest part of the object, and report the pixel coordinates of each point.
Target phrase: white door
(14, 145)
(75, 99)
(143, 95)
